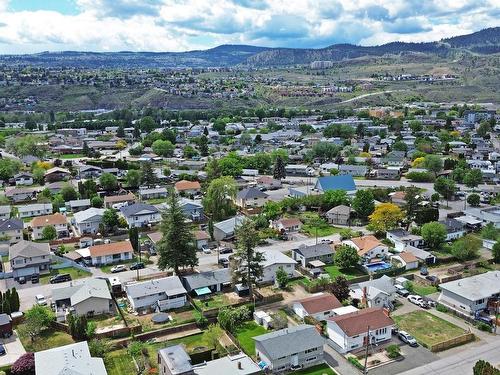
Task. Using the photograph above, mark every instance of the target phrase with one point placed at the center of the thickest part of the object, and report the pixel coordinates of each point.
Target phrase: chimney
(239, 366)
(386, 312)
(364, 300)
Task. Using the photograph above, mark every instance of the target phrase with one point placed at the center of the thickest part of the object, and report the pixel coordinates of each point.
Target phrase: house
(90, 297)
(407, 259)
(109, 253)
(268, 183)
(5, 212)
(387, 173)
(32, 210)
(23, 178)
(225, 230)
(423, 256)
(454, 229)
(352, 331)
(287, 225)
(187, 187)
(158, 294)
(5, 326)
(89, 172)
(88, 221)
(273, 260)
(78, 205)
(375, 293)
(299, 170)
(56, 187)
(368, 247)
(320, 306)
(69, 359)
(470, 295)
(485, 215)
(58, 221)
(339, 215)
(291, 348)
(340, 182)
(118, 200)
(140, 214)
(202, 238)
(153, 193)
(309, 256)
(402, 238)
(11, 230)
(199, 284)
(353, 170)
(192, 209)
(29, 258)
(22, 194)
(251, 197)
(56, 174)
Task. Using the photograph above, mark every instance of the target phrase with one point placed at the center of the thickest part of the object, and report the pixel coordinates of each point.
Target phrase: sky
(30, 26)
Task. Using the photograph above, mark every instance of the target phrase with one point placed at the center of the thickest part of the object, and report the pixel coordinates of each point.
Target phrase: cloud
(121, 8)
(406, 26)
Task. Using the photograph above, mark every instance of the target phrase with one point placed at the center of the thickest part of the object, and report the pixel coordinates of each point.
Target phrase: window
(311, 359)
(311, 350)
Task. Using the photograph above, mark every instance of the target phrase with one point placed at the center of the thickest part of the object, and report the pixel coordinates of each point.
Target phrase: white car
(206, 249)
(407, 338)
(40, 300)
(119, 268)
(417, 300)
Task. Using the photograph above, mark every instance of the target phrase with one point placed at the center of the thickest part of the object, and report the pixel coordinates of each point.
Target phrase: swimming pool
(379, 266)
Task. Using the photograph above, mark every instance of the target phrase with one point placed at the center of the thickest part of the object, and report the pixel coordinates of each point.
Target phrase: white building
(273, 261)
(319, 306)
(159, 294)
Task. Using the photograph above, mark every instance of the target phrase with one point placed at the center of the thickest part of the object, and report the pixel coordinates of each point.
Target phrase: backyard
(424, 290)
(75, 274)
(314, 225)
(245, 335)
(428, 329)
(135, 259)
(48, 339)
(348, 273)
(315, 370)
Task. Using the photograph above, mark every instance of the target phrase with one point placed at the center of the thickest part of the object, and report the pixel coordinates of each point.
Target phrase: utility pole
(365, 371)
(139, 250)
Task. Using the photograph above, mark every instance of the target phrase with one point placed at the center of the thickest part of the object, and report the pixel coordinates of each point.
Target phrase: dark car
(424, 271)
(226, 250)
(60, 278)
(137, 266)
(484, 319)
(21, 280)
(432, 279)
(2, 350)
(35, 279)
(224, 262)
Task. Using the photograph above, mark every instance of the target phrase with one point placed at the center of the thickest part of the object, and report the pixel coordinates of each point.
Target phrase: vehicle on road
(407, 338)
(226, 250)
(60, 278)
(21, 280)
(40, 300)
(118, 268)
(137, 266)
(433, 279)
(35, 279)
(224, 262)
(401, 290)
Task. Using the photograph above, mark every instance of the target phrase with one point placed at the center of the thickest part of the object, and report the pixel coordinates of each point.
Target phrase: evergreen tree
(120, 133)
(133, 234)
(205, 131)
(6, 305)
(148, 176)
(86, 150)
(177, 247)
(137, 132)
(14, 300)
(279, 172)
(203, 145)
(363, 203)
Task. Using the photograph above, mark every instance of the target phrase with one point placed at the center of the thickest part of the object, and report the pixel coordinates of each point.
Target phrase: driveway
(14, 350)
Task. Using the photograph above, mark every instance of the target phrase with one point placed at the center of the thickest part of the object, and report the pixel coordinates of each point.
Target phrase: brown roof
(111, 248)
(401, 195)
(119, 198)
(319, 303)
(365, 243)
(155, 236)
(43, 221)
(201, 235)
(289, 222)
(358, 322)
(408, 257)
(187, 185)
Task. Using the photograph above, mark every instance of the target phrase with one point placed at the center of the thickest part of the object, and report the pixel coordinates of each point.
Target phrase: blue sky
(28, 26)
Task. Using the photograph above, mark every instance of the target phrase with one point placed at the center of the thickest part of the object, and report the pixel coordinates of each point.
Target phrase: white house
(110, 253)
(375, 293)
(454, 229)
(407, 259)
(274, 260)
(158, 294)
(32, 210)
(251, 197)
(401, 238)
(88, 221)
(58, 221)
(140, 214)
(319, 306)
(351, 331)
(368, 247)
(23, 178)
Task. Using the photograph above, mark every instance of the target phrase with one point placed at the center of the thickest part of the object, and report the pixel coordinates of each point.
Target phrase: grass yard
(74, 272)
(335, 271)
(48, 339)
(424, 290)
(215, 301)
(316, 225)
(315, 370)
(135, 259)
(245, 335)
(70, 156)
(428, 329)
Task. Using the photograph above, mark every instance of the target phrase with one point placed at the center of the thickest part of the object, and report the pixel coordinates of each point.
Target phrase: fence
(119, 332)
(460, 340)
(156, 333)
(65, 263)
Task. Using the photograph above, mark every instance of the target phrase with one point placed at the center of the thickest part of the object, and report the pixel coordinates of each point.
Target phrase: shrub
(354, 361)
(393, 351)
(483, 327)
(25, 365)
(441, 308)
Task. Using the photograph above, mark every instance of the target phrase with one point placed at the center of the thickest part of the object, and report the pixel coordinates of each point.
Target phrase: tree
(212, 335)
(412, 199)
(133, 235)
(279, 172)
(247, 263)
(346, 257)
(282, 278)
(110, 219)
(163, 148)
(87, 189)
(334, 198)
(473, 178)
(474, 200)
(9, 167)
(99, 347)
(14, 300)
(203, 145)
(446, 187)
(49, 233)
(69, 193)
(213, 170)
(433, 163)
(148, 176)
(97, 202)
(120, 132)
(495, 251)
(363, 203)
(24, 365)
(484, 368)
(434, 234)
(489, 232)
(484, 129)
(108, 181)
(399, 146)
(133, 178)
(177, 247)
(340, 288)
(218, 201)
(147, 124)
(37, 319)
(386, 216)
(77, 326)
(466, 248)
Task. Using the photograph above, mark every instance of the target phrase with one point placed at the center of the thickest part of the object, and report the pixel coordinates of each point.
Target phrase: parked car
(401, 290)
(224, 262)
(137, 266)
(2, 350)
(424, 271)
(21, 280)
(35, 279)
(226, 250)
(60, 278)
(433, 279)
(417, 300)
(118, 268)
(484, 319)
(407, 338)
(40, 300)
(206, 249)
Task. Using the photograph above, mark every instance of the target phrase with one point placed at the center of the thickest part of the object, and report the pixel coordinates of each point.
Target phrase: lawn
(70, 156)
(107, 268)
(349, 273)
(245, 335)
(424, 290)
(48, 339)
(314, 225)
(315, 370)
(215, 301)
(74, 272)
(428, 329)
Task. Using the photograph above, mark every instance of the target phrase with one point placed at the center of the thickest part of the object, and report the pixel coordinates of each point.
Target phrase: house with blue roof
(339, 182)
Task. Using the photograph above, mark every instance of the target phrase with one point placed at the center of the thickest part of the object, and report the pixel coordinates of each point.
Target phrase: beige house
(29, 258)
(11, 230)
(339, 215)
(251, 198)
(187, 187)
(58, 221)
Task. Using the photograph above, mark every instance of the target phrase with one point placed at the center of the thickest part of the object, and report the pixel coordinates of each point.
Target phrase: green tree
(334, 198)
(163, 148)
(14, 300)
(340, 288)
(484, 368)
(346, 257)
(49, 233)
(446, 187)
(231, 165)
(148, 176)
(489, 232)
(282, 278)
(495, 251)
(474, 200)
(108, 181)
(97, 201)
(279, 172)
(363, 203)
(212, 335)
(69, 193)
(213, 170)
(218, 201)
(133, 178)
(99, 347)
(110, 219)
(133, 235)
(412, 200)
(120, 132)
(484, 129)
(433, 163)
(466, 248)
(9, 167)
(147, 124)
(203, 145)
(434, 235)
(177, 247)
(399, 146)
(87, 189)
(473, 178)
(36, 319)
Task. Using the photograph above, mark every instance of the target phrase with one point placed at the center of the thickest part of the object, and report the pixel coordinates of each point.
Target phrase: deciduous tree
(386, 216)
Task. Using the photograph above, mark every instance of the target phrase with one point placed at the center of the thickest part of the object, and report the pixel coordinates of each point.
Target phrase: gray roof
(251, 193)
(91, 288)
(384, 283)
(208, 278)
(419, 253)
(28, 249)
(239, 364)
(176, 359)
(138, 209)
(79, 203)
(35, 207)
(84, 215)
(272, 257)
(4, 319)
(170, 285)
(229, 225)
(340, 209)
(11, 224)
(158, 190)
(5, 210)
(315, 250)
(475, 287)
(290, 340)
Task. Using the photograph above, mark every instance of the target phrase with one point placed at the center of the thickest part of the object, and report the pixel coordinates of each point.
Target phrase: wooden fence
(456, 341)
